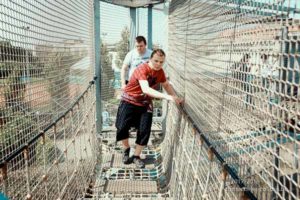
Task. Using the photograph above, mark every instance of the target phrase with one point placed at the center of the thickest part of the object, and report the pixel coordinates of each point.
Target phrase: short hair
(159, 52)
(140, 39)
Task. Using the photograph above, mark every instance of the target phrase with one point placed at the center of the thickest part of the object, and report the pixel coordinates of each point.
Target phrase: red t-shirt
(133, 92)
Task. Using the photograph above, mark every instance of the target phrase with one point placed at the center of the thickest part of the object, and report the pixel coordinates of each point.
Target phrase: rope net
(47, 102)
(237, 65)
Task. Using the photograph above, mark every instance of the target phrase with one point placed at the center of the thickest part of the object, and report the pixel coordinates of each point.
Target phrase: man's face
(157, 61)
(140, 47)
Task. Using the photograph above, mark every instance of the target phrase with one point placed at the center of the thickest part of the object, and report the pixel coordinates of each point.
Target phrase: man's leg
(142, 139)
(126, 152)
(123, 122)
(138, 150)
(125, 143)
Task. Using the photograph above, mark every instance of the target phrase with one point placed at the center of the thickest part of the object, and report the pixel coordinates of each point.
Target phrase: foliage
(106, 62)
(122, 47)
(57, 66)
(14, 53)
(14, 88)
(107, 73)
(114, 101)
(15, 130)
(16, 126)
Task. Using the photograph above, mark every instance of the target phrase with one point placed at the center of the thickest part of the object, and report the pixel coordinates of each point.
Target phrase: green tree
(122, 47)
(107, 73)
(57, 66)
(16, 125)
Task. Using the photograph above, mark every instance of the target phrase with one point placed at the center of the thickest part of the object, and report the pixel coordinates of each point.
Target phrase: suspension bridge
(235, 62)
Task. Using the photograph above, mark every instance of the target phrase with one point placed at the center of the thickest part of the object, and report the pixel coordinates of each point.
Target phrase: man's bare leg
(125, 144)
(138, 150)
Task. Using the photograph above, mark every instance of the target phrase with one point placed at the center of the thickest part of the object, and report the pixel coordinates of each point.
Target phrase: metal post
(97, 65)
(150, 26)
(132, 27)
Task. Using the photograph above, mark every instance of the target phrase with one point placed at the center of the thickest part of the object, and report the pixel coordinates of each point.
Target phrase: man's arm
(124, 71)
(171, 96)
(153, 93)
(168, 87)
(170, 90)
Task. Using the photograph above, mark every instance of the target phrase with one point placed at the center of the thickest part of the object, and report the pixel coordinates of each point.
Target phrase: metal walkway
(235, 62)
(116, 180)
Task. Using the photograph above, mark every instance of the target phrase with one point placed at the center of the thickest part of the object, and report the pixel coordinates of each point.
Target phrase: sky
(114, 18)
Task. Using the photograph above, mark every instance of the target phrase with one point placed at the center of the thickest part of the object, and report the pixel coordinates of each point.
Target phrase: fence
(236, 63)
(47, 104)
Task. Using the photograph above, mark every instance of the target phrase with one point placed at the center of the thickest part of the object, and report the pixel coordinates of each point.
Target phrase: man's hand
(177, 100)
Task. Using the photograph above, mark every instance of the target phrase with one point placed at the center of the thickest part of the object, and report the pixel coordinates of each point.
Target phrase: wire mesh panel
(47, 125)
(194, 171)
(115, 27)
(237, 65)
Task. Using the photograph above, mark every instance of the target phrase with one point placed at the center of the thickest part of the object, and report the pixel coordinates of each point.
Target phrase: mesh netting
(237, 65)
(47, 102)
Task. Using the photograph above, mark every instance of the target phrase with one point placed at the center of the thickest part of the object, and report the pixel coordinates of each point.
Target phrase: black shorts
(130, 115)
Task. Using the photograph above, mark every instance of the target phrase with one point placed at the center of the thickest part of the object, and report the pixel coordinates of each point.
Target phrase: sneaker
(126, 159)
(138, 162)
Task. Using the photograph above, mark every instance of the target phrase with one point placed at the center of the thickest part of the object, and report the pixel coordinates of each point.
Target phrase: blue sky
(114, 18)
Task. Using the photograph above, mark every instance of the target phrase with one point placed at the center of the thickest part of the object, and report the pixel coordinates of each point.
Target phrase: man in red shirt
(136, 106)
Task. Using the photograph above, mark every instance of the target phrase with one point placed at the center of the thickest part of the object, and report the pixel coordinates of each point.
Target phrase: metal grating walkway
(116, 179)
(128, 186)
